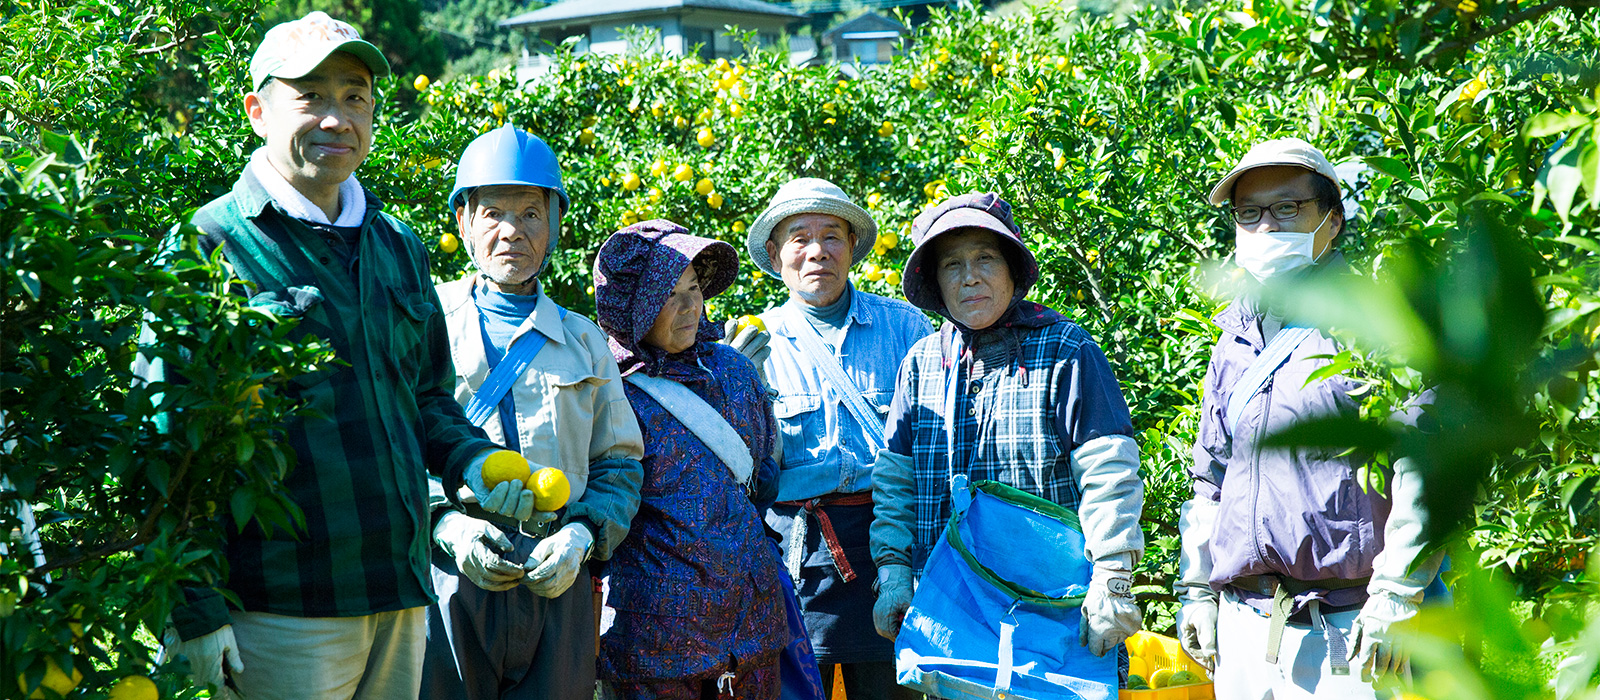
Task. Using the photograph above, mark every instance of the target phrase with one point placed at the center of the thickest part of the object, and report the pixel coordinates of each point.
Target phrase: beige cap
(804, 196)
(292, 49)
(1289, 151)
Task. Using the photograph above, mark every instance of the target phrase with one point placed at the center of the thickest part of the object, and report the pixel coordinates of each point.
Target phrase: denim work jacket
(825, 450)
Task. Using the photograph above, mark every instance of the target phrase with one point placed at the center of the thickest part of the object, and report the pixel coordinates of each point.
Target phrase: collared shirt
(571, 412)
(825, 449)
(1025, 399)
(382, 417)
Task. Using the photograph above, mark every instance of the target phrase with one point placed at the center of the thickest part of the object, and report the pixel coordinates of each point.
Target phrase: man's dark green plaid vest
(384, 415)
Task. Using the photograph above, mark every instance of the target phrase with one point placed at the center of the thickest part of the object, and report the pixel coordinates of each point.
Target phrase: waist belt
(1283, 591)
(830, 539)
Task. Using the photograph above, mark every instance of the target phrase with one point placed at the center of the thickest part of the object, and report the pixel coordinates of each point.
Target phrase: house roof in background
(580, 11)
(870, 22)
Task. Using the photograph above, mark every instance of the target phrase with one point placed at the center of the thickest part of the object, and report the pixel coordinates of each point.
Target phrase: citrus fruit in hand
(749, 320)
(503, 466)
(550, 489)
(135, 688)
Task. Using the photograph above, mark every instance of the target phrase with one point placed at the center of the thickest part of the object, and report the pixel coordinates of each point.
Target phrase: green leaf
(1392, 167)
(1588, 244)
(1561, 179)
(30, 283)
(1549, 123)
(243, 505)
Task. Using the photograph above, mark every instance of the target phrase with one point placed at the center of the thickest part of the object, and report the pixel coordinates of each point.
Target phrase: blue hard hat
(508, 156)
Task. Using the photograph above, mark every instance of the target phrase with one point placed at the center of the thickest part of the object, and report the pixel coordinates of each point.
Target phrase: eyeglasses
(1280, 211)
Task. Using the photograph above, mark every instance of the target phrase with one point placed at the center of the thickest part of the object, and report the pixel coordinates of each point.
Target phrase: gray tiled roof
(577, 11)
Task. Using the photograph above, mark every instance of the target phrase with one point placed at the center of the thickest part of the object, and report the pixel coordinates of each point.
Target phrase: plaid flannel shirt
(387, 417)
(1036, 395)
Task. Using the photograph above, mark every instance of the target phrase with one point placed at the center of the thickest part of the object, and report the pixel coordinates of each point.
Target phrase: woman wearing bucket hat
(697, 589)
(834, 353)
(1011, 391)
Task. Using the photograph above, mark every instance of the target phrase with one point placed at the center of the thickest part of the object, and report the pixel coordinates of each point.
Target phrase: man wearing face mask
(1308, 576)
(516, 617)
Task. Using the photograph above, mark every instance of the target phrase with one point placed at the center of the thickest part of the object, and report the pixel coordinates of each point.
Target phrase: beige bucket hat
(809, 195)
(1287, 151)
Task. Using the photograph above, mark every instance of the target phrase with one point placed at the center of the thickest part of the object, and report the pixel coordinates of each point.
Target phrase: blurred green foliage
(1474, 125)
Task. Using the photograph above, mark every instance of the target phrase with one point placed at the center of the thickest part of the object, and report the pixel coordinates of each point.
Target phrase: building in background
(602, 26)
(868, 40)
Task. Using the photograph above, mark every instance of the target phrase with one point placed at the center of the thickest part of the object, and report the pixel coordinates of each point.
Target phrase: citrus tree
(1473, 126)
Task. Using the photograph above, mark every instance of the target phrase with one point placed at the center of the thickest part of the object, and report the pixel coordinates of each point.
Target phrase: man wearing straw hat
(835, 352)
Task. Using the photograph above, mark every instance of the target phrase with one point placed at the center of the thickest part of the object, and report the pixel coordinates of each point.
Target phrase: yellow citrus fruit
(705, 138)
(449, 243)
(738, 227)
(54, 679)
(658, 168)
(630, 182)
(1137, 666)
(873, 199)
(503, 466)
(550, 489)
(679, 121)
(682, 173)
(1161, 678)
(886, 130)
(749, 320)
(421, 83)
(135, 688)
(704, 186)
(892, 278)
(715, 200)
(586, 136)
(499, 109)
(918, 83)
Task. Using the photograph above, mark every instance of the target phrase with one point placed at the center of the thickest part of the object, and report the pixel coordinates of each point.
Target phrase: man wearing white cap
(835, 353)
(1295, 580)
(334, 609)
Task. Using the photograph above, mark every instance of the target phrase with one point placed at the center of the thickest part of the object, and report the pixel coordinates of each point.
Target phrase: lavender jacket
(1296, 512)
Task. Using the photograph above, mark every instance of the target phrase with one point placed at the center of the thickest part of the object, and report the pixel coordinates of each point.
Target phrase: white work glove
(1378, 640)
(894, 598)
(505, 498)
(1197, 631)
(557, 559)
(207, 655)
(476, 546)
(752, 343)
(1110, 614)
(1197, 618)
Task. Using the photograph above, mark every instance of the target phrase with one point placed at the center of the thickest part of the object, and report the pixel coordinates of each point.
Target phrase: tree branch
(1515, 19)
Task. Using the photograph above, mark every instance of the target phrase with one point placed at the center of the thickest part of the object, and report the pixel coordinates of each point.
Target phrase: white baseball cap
(1288, 151)
(292, 49)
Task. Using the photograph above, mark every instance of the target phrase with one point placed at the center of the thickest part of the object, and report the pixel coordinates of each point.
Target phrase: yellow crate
(1158, 652)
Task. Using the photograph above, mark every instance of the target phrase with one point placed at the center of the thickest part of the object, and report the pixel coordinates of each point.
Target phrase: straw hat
(809, 195)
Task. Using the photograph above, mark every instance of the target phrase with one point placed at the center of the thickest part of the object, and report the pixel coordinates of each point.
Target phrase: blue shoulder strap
(516, 361)
(1271, 358)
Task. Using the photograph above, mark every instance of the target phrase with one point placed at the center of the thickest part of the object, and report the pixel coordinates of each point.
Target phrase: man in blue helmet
(516, 616)
(336, 608)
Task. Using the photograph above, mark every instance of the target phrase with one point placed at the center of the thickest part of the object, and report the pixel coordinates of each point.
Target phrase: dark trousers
(508, 645)
(871, 680)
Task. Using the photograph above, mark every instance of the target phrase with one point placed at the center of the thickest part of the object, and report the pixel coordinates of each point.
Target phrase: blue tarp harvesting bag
(996, 613)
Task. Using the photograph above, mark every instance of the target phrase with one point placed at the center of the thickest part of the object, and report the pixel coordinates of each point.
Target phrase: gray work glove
(1110, 614)
(505, 498)
(1197, 619)
(894, 598)
(1197, 631)
(557, 559)
(752, 342)
(1378, 639)
(476, 546)
(210, 656)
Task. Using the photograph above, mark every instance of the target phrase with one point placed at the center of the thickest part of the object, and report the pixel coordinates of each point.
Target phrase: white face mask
(1270, 254)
